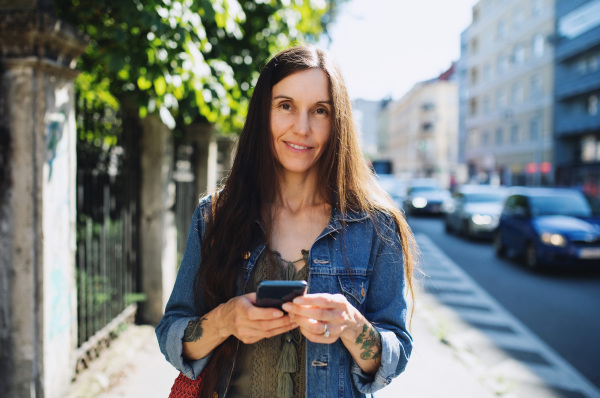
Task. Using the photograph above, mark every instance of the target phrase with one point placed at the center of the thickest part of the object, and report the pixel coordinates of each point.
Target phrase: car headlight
(419, 203)
(553, 239)
(481, 219)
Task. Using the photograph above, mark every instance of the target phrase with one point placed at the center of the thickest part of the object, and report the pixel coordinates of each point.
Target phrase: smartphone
(273, 294)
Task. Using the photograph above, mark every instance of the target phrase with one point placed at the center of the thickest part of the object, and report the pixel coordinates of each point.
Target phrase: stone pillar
(204, 138)
(158, 235)
(38, 318)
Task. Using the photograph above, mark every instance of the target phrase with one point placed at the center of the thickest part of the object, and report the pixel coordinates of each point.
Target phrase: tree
(186, 60)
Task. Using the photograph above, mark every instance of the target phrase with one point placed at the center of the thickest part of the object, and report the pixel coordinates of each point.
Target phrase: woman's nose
(302, 123)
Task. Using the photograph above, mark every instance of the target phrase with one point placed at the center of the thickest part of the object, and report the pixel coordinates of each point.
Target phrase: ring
(326, 332)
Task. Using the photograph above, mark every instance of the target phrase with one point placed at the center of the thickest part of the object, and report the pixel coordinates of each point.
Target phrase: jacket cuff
(174, 348)
(390, 356)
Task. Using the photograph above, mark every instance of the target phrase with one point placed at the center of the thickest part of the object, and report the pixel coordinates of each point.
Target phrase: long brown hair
(251, 187)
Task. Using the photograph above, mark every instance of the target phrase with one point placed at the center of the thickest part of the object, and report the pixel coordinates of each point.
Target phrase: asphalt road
(562, 307)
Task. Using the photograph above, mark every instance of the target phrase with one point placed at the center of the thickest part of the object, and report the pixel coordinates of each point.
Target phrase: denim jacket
(367, 269)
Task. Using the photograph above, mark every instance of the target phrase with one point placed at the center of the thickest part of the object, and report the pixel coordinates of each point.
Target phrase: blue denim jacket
(372, 279)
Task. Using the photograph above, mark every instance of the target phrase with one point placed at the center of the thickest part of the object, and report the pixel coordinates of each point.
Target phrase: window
(485, 139)
(538, 45)
(534, 129)
(590, 148)
(518, 16)
(474, 76)
(486, 104)
(519, 54)
(473, 106)
(502, 64)
(514, 134)
(427, 126)
(487, 73)
(428, 106)
(517, 93)
(501, 98)
(501, 29)
(593, 105)
(536, 86)
(474, 46)
(499, 134)
(538, 6)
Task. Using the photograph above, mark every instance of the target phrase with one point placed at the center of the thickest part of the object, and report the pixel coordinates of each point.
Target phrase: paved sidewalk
(466, 346)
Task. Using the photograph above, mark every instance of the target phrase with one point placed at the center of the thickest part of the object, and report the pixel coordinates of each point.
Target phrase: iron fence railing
(107, 222)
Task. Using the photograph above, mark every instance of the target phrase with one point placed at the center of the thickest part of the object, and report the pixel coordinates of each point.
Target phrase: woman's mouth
(297, 147)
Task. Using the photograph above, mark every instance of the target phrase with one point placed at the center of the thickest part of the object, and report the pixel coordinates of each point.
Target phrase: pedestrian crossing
(508, 358)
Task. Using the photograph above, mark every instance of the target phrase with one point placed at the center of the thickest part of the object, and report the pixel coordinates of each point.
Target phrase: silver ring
(326, 332)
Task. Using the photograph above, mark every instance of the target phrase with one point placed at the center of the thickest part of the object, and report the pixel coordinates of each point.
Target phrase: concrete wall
(37, 206)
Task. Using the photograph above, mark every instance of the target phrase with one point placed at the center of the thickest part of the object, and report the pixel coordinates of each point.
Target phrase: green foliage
(186, 60)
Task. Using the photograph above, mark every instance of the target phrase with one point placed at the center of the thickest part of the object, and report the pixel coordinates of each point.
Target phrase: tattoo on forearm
(371, 343)
(194, 330)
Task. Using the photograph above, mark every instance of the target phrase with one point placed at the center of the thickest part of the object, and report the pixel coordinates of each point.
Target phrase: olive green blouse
(273, 367)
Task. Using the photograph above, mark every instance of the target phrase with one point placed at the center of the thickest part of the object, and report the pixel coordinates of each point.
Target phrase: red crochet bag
(184, 387)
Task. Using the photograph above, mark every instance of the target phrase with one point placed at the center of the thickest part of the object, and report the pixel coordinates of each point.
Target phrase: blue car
(548, 226)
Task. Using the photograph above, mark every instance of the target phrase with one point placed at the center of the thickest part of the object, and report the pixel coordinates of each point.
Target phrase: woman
(299, 203)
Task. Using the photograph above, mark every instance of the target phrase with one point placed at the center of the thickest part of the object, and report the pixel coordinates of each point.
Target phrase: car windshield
(484, 197)
(423, 189)
(566, 205)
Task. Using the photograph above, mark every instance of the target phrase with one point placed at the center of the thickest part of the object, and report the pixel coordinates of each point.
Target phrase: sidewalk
(465, 346)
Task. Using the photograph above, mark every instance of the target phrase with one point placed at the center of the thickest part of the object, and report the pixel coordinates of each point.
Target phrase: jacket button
(246, 255)
(362, 291)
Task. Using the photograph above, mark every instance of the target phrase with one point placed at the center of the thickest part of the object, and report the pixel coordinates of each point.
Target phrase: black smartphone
(272, 294)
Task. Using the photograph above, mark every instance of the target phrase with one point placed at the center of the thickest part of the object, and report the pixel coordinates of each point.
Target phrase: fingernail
(277, 314)
(287, 307)
(298, 300)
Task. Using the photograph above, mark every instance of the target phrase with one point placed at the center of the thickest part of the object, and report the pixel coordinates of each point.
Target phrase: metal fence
(107, 224)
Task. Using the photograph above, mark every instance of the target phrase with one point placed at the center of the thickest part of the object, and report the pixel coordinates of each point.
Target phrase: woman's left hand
(323, 318)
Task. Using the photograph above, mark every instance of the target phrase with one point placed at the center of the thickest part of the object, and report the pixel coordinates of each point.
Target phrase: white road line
(559, 374)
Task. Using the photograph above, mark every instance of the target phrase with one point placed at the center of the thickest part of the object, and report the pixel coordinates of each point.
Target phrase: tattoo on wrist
(371, 343)
(194, 330)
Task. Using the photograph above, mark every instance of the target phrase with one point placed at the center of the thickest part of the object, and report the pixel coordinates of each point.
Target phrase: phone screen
(273, 294)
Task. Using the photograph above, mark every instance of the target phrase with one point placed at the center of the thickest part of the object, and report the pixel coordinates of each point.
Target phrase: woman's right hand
(250, 323)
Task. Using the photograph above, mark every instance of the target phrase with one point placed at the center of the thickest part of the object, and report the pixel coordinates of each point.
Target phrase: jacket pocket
(354, 287)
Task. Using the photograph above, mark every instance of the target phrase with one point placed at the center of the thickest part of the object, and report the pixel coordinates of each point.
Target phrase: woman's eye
(322, 111)
(285, 106)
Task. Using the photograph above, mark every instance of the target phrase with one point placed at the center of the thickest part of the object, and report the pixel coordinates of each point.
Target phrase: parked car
(548, 226)
(394, 186)
(424, 196)
(474, 210)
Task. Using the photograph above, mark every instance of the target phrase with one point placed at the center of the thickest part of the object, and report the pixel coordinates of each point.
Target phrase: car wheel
(531, 257)
(447, 226)
(464, 229)
(499, 248)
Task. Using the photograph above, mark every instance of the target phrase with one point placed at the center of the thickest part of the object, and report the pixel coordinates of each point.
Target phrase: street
(560, 306)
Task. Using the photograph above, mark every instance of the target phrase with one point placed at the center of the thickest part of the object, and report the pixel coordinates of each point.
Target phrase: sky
(384, 47)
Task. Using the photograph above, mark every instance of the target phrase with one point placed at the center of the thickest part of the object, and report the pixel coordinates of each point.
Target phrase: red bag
(183, 387)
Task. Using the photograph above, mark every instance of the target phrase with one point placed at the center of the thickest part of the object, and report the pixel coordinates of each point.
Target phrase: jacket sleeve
(180, 308)
(386, 309)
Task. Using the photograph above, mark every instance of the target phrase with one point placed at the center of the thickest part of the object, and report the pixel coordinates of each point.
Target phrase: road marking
(488, 337)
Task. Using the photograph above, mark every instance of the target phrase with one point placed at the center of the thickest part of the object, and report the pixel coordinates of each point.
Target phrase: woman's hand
(325, 318)
(241, 318)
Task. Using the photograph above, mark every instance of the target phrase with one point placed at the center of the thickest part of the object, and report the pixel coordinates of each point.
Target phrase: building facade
(507, 81)
(365, 116)
(577, 91)
(422, 130)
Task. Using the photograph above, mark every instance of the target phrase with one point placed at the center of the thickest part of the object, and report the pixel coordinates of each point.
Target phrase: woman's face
(301, 118)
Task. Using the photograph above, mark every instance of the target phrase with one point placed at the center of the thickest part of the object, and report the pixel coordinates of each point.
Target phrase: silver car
(474, 210)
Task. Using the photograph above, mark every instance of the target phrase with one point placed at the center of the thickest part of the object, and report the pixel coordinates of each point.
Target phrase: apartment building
(506, 97)
(577, 91)
(421, 130)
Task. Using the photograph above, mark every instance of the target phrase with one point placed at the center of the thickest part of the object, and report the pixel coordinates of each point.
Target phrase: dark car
(474, 210)
(548, 226)
(424, 196)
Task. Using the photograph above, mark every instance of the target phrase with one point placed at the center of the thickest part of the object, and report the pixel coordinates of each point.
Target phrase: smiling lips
(297, 147)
